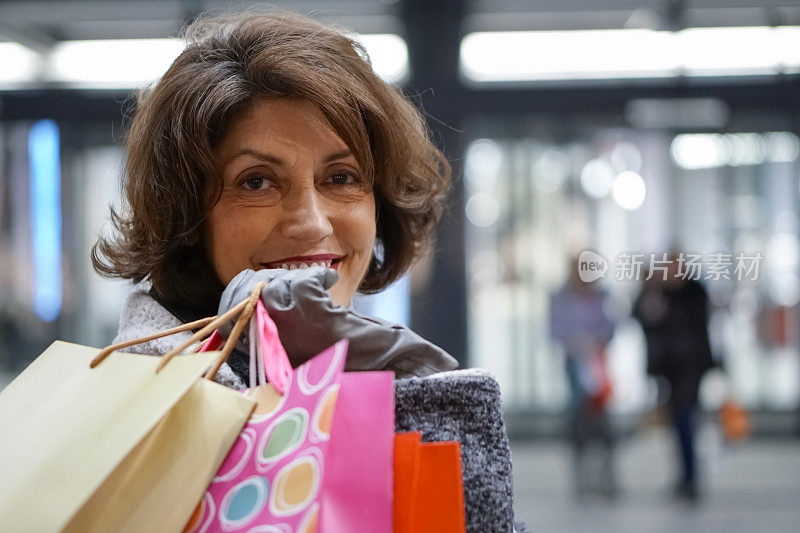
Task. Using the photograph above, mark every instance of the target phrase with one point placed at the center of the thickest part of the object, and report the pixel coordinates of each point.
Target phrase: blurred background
(620, 127)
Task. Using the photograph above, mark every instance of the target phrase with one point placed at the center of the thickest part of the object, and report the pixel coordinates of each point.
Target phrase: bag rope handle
(247, 312)
(105, 352)
(206, 322)
(244, 309)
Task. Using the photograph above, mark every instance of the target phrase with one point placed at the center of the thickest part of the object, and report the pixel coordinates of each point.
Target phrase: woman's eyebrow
(280, 162)
(338, 155)
(258, 155)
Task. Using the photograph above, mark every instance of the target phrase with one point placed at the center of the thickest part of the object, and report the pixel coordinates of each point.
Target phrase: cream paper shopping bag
(113, 448)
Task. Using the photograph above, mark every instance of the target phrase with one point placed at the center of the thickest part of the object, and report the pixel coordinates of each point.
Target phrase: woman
(673, 313)
(580, 322)
(271, 151)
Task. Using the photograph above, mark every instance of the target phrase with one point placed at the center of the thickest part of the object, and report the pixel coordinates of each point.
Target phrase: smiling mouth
(302, 262)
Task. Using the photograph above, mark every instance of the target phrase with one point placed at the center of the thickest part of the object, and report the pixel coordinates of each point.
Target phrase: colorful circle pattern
(243, 502)
(282, 437)
(296, 484)
(236, 460)
(271, 479)
(202, 517)
(322, 421)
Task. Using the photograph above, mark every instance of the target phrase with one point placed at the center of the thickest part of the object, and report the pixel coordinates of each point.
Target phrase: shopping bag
(87, 449)
(439, 503)
(406, 476)
(597, 380)
(429, 493)
(358, 485)
(127, 446)
(272, 477)
(734, 421)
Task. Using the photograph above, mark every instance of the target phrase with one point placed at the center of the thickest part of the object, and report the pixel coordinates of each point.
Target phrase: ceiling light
(17, 63)
(388, 53)
(112, 63)
(629, 53)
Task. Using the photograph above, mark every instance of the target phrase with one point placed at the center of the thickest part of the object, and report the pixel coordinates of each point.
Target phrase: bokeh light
(629, 190)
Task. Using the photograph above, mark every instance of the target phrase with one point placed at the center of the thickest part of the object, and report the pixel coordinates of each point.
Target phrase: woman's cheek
(236, 234)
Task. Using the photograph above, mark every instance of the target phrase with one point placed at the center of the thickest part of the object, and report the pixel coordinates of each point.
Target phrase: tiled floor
(753, 488)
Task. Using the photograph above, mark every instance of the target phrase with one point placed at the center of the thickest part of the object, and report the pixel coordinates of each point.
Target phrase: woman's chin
(340, 295)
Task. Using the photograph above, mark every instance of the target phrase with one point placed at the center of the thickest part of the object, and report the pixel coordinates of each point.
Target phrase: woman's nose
(305, 216)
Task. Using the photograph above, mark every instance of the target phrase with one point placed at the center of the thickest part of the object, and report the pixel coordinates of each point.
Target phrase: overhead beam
(36, 40)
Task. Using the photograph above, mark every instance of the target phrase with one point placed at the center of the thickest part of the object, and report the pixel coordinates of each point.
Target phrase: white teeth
(303, 265)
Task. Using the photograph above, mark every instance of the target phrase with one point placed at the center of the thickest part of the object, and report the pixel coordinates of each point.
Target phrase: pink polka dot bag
(272, 479)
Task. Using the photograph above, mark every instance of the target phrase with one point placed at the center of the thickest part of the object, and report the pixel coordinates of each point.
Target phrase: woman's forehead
(281, 115)
(280, 128)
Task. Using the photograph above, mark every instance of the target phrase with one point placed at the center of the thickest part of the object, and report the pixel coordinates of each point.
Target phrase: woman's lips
(301, 262)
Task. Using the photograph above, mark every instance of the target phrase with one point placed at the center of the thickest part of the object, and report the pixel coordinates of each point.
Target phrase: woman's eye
(344, 178)
(255, 183)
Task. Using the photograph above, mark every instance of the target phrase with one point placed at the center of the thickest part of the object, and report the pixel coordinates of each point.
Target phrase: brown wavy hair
(170, 182)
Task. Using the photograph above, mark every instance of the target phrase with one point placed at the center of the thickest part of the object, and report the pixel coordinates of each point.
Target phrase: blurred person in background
(580, 323)
(673, 311)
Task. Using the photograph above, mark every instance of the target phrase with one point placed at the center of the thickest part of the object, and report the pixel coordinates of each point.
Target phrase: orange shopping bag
(428, 488)
(734, 421)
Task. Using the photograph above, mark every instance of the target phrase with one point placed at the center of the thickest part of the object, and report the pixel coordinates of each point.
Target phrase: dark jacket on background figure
(675, 323)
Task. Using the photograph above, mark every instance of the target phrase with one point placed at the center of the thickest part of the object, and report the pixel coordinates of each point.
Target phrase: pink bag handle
(273, 355)
(274, 360)
(212, 343)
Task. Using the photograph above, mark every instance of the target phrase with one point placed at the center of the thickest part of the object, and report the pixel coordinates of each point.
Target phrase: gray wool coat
(459, 405)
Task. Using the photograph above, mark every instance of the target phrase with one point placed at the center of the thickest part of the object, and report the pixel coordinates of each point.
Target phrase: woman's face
(293, 195)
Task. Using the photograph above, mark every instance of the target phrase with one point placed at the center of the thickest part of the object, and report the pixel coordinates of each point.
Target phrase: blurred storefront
(554, 189)
(58, 182)
(627, 128)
